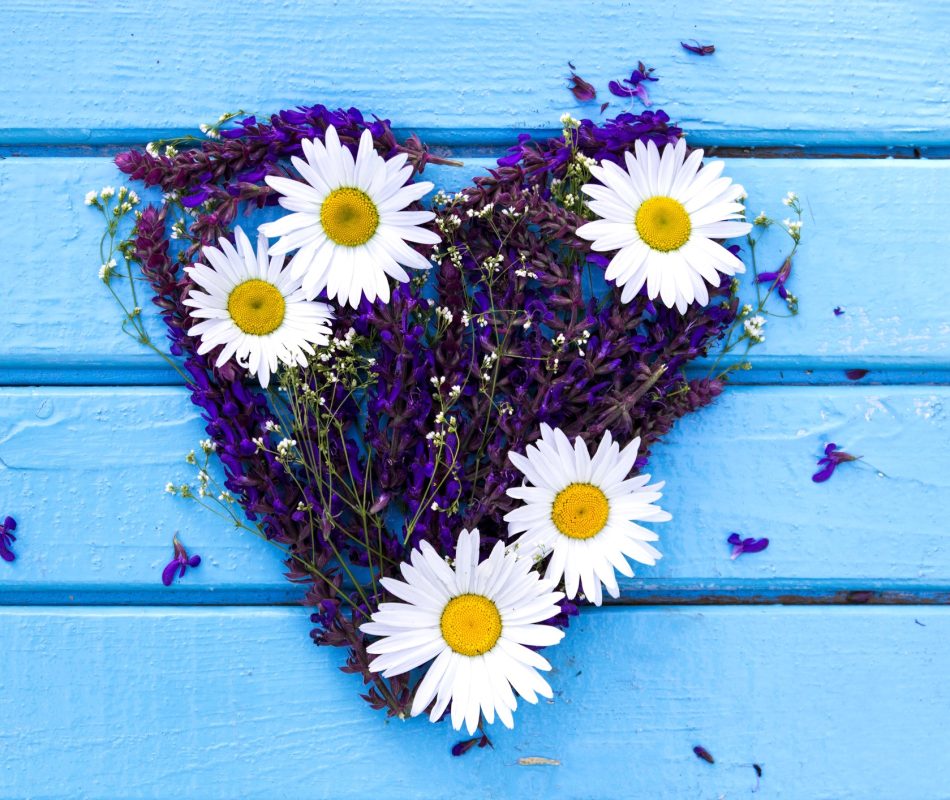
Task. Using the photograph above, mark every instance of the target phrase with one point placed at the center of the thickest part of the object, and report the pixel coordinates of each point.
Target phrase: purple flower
(7, 538)
(855, 374)
(635, 87)
(704, 754)
(461, 748)
(750, 545)
(830, 461)
(778, 277)
(699, 49)
(839, 311)
(580, 88)
(180, 562)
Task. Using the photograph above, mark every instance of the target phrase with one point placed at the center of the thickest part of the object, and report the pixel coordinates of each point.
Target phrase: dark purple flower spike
(699, 49)
(750, 545)
(7, 538)
(180, 562)
(634, 87)
(830, 461)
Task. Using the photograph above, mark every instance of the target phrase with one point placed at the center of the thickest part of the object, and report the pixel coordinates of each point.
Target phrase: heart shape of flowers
(441, 415)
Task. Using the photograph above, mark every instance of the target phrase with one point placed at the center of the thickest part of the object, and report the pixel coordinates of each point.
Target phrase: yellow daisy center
(257, 307)
(349, 217)
(471, 624)
(663, 224)
(580, 511)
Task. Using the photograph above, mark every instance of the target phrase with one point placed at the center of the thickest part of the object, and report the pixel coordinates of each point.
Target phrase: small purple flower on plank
(839, 311)
(830, 461)
(179, 563)
(7, 538)
(580, 88)
(699, 49)
(750, 545)
(855, 374)
(778, 277)
(634, 87)
(704, 754)
(461, 748)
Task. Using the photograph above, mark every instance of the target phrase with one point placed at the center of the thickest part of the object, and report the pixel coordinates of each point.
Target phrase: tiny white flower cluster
(483, 213)
(107, 270)
(210, 131)
(208, 446)
(284, 448)
(581, 342)
(491, 263)
(271, 426)
(445, 315)
(790, 199)
(794, 228)
(762, 220)
(179, 230)
(488, 361)
(569, 124)
(448, 222)
(754, 327)
(154, 150)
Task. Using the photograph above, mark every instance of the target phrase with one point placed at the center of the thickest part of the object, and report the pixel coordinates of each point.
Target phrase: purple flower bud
(179, 563)
(581, 89)
(699, 49)
(704, 754)
(750, 545)
(7, 539)
(830, 461)
(855, 374)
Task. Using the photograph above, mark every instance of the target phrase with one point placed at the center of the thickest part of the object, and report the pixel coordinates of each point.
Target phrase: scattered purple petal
(580, 88)
(603, 107)
(750, 545)
(778, 277)
(461, 748)
(855, 374)
(179, 563)
(704, 754)
(7, 539)
(830, 461)
(634, 87)
(839, 311)
(699, 49)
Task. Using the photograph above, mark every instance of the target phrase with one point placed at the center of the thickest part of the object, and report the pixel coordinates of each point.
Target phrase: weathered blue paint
(219, 701)
(835, 703)
(893, 318)
(785, 72)
(85, 470)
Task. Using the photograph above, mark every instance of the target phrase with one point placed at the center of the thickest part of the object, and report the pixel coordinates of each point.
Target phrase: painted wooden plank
(61, 324)
(784, 72)
(831, 703)
(84, 469)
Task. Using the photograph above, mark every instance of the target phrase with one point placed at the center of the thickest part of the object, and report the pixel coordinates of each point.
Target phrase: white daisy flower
(581, 511)
(255, 308)
(347, 225)
(662, 215)
(475, 620)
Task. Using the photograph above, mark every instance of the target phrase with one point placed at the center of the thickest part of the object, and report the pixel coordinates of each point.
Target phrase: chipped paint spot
(538, 761)
(928, 408)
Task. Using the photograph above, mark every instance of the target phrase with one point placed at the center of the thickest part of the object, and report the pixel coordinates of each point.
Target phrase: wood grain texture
(202, 703)
(784, 72)
(863, 250)
(84, 470)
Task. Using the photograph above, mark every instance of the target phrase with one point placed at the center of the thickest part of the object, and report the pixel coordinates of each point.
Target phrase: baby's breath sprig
(748, 329)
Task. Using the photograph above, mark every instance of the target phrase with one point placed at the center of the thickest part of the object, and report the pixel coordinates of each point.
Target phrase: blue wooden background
(824, 659)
